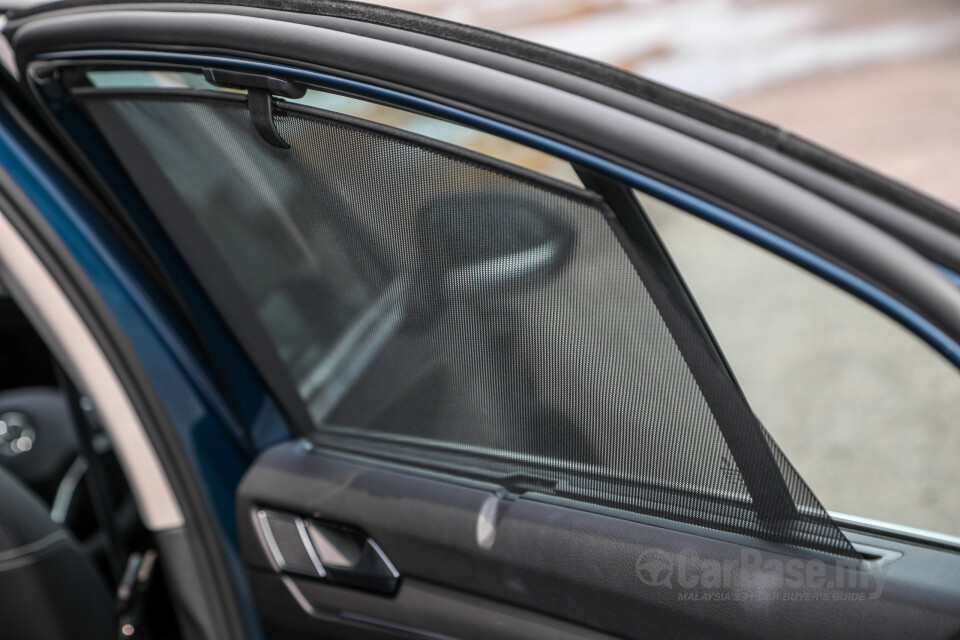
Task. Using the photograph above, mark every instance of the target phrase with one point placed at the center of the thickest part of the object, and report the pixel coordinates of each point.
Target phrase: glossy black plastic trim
(576, 564)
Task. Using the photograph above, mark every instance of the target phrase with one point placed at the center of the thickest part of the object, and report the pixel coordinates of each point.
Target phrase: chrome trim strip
(386, 561)
(921, 535)
(271, 541)
(66, 490)
(311, 550)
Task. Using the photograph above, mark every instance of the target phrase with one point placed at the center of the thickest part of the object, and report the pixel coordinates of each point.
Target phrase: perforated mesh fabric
(436, 308)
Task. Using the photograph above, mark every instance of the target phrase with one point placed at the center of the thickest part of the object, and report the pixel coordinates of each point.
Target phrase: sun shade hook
(260, 92)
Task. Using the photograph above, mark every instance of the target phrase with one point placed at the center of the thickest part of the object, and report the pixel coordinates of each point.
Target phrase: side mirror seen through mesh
(475, 242)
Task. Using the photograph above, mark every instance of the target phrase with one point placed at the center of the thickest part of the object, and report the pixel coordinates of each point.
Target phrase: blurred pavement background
(868, 414)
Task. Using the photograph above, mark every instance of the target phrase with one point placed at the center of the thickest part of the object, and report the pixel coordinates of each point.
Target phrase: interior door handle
(335, 553)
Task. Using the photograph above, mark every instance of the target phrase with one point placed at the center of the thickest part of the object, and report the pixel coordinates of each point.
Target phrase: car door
(503, 412)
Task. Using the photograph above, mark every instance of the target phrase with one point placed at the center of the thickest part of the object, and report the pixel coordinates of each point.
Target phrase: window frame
(772, 499)
(689, 199)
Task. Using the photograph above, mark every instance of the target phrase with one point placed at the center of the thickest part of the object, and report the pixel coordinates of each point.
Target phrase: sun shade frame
(770, 500)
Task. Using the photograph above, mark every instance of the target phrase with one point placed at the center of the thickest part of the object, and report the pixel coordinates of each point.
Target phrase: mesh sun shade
(434, 307)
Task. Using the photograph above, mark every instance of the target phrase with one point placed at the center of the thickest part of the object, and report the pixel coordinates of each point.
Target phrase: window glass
(865, 410)
(439, 307)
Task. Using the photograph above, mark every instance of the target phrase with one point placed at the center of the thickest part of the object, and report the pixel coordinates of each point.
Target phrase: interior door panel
(465, 547)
